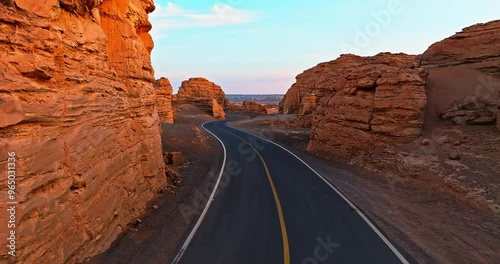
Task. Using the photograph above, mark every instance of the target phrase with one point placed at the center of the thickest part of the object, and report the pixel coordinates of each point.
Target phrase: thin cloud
(173, 16)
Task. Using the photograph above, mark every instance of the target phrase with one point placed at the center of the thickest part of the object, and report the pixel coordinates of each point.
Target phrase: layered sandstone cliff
(164, 100)
(78, 109)
(370, 101)
(204, 94)
(464, 76)
(248, 107)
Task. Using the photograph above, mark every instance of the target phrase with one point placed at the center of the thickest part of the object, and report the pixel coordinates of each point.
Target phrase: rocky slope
(78, 109)
(370, 101)
(464, 76)
(248, 107)
(204, 94)
(164, 100)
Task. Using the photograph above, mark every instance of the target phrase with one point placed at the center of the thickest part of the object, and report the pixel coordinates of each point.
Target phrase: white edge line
(386, 241)
(200, 219)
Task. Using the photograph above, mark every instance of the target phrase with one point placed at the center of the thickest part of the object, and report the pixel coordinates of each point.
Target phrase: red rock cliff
(78, 109)
(369, 101)
(204, 94)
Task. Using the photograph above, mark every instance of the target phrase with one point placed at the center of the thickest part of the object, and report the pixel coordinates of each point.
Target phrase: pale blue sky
(259, 46)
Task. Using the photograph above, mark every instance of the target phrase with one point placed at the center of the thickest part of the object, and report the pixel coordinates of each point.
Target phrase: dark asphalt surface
(242, 224)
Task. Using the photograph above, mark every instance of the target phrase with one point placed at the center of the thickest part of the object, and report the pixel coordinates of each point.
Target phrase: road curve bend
(269, 206)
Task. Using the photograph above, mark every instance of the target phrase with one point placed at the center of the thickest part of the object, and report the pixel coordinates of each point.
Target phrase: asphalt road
(270, 207)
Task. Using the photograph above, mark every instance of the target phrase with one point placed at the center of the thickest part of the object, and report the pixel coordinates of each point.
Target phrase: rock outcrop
(475, 47)
(78, 109)
(310, 85)
(465, 69)
(302, 98)
(204, 94)
(248, 107)
(370, 101)
(164, 100)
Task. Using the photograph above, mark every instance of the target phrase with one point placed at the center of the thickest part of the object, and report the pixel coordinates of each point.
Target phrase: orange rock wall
(78, 109)
(370, 101)
(204, 94)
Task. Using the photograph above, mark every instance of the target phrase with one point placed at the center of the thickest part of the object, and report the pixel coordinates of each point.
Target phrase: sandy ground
(414, 194)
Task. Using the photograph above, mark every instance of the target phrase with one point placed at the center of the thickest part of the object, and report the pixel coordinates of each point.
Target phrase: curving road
(268, 206)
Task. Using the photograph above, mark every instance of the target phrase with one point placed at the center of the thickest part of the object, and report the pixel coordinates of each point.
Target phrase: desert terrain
(390, 158)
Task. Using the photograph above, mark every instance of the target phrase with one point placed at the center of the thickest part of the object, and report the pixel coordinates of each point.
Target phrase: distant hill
(259, 98)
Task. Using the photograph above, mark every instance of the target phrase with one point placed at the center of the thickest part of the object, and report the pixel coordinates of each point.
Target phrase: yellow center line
(286, 249)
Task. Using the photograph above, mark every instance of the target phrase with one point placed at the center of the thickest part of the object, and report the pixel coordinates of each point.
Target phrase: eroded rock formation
(370, 101)
(164, 100)
(302, 98)
(248, 107)
(204, 94)
(464, 69)
(310, 85)
(78, 109)
(475, 47)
